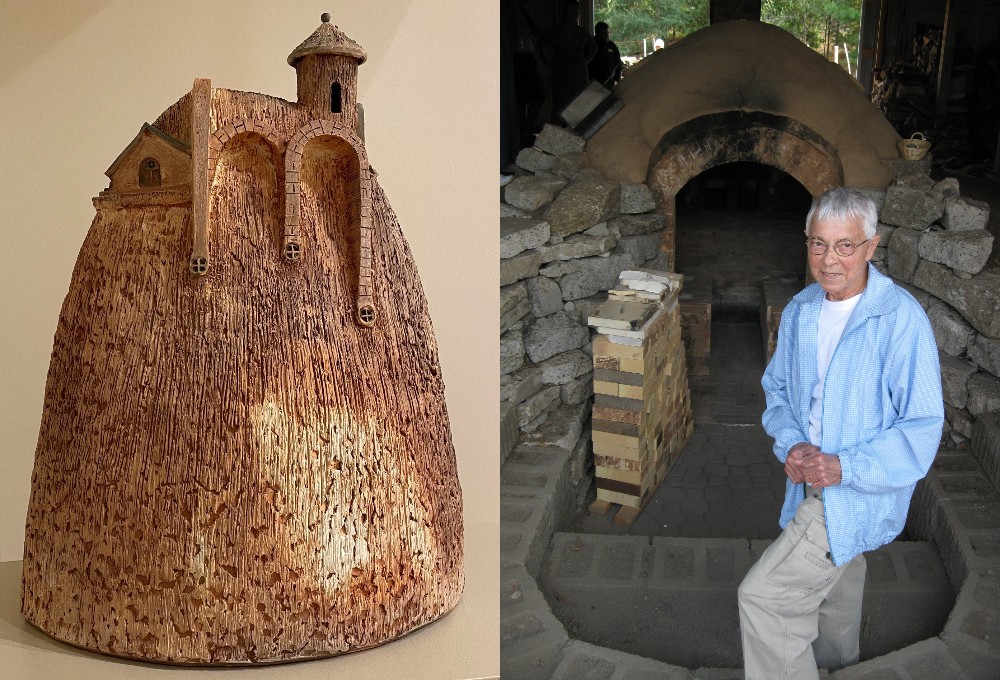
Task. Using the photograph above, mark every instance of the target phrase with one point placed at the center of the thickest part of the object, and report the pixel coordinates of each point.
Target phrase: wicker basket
(913, 149)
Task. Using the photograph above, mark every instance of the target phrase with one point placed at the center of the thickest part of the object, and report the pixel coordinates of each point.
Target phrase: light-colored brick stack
(642, 405)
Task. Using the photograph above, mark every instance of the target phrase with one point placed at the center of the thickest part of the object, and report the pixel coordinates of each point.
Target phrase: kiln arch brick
(704, 142)
(365, 307)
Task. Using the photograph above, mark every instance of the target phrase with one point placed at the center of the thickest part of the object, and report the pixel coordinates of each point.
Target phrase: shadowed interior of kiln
(737, 224)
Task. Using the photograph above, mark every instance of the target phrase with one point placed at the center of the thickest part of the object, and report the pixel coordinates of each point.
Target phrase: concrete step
(674, 599)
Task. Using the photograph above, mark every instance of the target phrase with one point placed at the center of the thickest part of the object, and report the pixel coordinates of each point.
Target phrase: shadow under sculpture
(245, 454)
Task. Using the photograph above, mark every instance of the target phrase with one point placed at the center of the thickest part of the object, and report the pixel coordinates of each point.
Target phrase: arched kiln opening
(737, 225)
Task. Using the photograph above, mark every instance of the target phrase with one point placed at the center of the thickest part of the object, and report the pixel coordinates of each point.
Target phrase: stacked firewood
(965, 141)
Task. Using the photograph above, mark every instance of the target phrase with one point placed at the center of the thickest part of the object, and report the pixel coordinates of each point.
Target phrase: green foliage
(821, 24)
(633, 20)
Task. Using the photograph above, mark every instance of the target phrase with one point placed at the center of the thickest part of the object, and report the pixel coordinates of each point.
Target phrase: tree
(633, 20)
(820, 24)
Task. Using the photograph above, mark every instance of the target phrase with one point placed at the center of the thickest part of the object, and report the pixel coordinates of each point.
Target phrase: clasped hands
(806, 463)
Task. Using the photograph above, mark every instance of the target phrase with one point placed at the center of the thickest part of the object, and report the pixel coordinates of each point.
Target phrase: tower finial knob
(325, 17)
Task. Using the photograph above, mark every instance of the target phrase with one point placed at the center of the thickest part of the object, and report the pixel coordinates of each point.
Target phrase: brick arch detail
(293, 164)
(708, 141)
(216, 143)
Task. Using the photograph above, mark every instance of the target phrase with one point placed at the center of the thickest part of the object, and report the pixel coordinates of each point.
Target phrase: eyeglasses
(843, 248)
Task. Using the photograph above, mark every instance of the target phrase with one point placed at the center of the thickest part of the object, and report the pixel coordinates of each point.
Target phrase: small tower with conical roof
(327, 67)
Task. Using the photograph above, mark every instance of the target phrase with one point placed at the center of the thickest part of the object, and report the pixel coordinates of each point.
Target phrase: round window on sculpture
(245, 457)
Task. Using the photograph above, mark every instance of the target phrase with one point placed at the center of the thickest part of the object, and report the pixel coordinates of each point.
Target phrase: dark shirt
(606, 66)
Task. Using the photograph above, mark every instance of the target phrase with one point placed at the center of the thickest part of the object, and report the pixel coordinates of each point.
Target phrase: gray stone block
(984, 394)
(511, 350)
(633, 225)
(584, 665)
(985, 352)
(923, 298)
(508, 429)
(902, 169)
(589, 199)
(926, 660)
(947, 187)
(581, 460)
(903, 256)
(977, 299)
(553, 334)
(534, 406)
(952, 333)
(965, 251)
(911, 207)
(507, 210)
(535, 483)
(531, 638)
(514, 304)
(569, 165)
(561, 368)
(641, 248)
(562, 430)
(584, 661)
(884, 232)
(877, 197)
(965, 214)
(635, 199)
(531, 193)
(523, 383)
(520, 234)
(534, 160)
(519, 267)
(578, 246)
(960, 420)
(591, 275)
(578, 390)
(973, 630)
(986, 446)
(955, 375)
(545, 296)
(556, 140)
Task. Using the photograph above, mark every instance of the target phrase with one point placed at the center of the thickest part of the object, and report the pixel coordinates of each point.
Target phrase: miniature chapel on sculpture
(245, 454)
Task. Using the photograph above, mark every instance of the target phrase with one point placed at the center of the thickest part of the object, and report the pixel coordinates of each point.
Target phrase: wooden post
(944, 64)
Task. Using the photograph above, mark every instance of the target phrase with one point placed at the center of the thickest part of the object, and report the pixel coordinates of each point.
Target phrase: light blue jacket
(882, 409)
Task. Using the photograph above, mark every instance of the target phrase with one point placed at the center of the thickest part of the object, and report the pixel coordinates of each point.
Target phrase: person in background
(854, 405)
(569, 48)
(606, 66)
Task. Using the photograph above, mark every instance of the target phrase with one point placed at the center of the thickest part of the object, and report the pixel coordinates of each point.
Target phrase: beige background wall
(78, 79)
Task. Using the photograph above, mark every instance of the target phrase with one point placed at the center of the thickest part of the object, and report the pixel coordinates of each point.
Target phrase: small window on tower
(335, 98)
(149, 173)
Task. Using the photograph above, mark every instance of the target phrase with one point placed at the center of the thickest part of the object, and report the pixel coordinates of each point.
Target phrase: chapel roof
(328, 39)
(148, 130)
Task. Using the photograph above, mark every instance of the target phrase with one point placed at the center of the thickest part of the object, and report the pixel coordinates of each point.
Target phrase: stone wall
(567, 232)
(936, 245)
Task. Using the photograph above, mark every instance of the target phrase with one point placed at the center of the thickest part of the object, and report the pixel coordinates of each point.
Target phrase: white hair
(844, 204)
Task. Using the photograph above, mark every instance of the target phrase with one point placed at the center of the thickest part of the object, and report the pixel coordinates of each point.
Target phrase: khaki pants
(797, 609)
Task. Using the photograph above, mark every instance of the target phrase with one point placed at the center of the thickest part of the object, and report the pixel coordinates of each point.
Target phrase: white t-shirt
(832, 320)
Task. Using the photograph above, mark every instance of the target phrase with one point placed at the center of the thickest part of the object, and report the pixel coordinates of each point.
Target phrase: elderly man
(855, 409)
